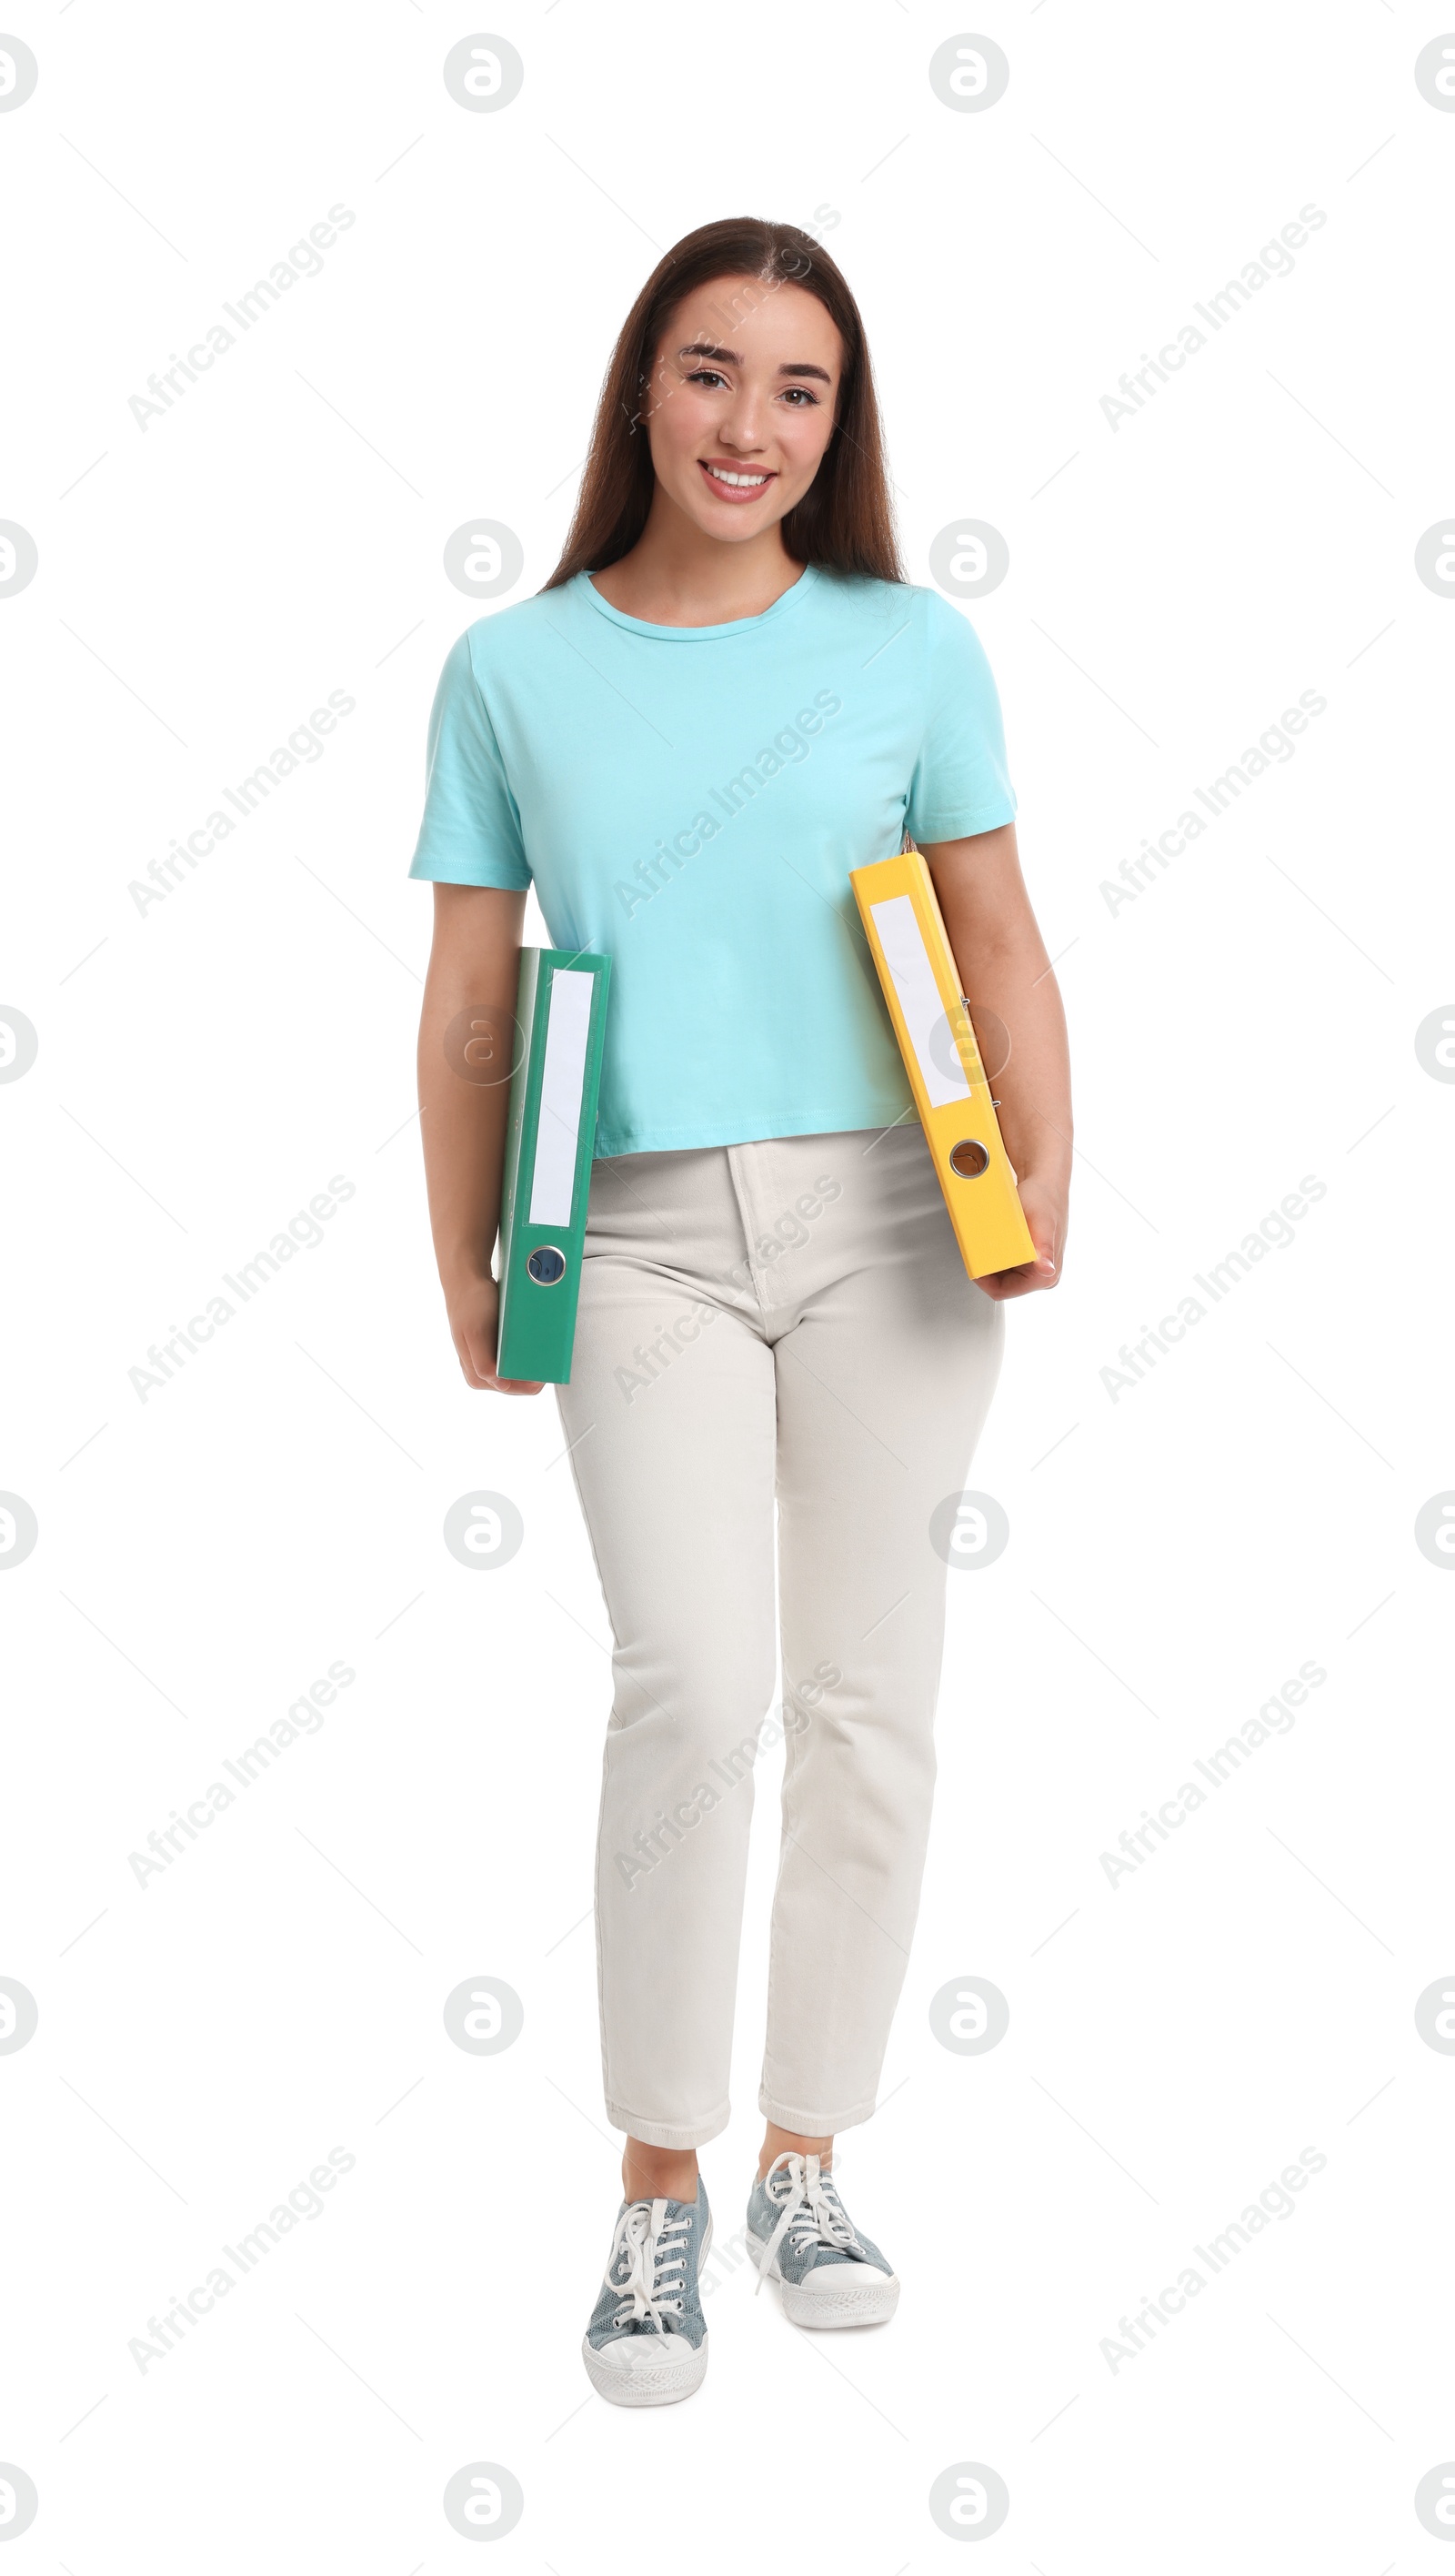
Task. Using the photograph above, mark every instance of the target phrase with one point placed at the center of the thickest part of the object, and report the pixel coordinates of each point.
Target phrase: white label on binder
(563, 1080)
(925, 1016)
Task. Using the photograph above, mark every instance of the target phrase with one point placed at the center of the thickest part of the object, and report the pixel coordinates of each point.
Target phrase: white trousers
(786, 1319)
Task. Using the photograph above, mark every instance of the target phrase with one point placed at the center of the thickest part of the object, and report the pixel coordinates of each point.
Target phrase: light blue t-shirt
(690, 800)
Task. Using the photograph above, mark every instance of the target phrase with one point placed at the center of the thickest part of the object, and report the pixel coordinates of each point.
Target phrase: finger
(1044, 1270)
(1045, 1264)
(476, 1363)
(477, 1355)
(1019, 1282)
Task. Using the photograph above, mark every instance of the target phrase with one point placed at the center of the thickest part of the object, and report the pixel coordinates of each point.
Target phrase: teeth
(720, 475)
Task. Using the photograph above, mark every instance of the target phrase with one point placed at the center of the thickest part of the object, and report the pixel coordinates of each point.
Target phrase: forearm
(1005, 975)
(466, 1053)
(1030, 1066)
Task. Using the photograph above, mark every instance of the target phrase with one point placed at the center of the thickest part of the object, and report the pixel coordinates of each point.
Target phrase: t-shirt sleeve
(471, 833)
(960, 783)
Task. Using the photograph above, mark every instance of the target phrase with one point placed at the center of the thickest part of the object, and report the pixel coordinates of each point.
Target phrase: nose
(744, 424)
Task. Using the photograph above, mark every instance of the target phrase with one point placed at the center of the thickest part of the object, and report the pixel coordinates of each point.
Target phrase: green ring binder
(550, 1139)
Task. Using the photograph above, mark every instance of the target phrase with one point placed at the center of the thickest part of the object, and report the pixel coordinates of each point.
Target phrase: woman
(725, 698)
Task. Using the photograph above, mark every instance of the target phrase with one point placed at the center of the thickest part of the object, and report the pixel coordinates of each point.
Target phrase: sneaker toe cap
(642, 2356)
(827, 2280)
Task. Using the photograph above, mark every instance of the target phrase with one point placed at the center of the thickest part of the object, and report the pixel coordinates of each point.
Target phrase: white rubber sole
(658, 2382)
(868, 2298)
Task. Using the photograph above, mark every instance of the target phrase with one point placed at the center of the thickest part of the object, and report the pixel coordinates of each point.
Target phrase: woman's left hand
(1045, 1211)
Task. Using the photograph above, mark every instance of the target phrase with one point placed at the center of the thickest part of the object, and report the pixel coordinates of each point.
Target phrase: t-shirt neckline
(699, 634)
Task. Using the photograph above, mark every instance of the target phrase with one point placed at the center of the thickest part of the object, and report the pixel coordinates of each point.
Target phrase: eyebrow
(734, 358)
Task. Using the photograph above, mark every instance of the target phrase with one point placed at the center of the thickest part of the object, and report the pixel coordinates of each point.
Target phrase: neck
(677, 576)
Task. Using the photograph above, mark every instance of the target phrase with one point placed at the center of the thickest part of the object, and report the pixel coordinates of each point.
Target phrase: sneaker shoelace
(811, 2212)
(655, 2247)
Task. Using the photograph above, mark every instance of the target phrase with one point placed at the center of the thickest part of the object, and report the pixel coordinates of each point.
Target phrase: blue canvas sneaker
(646, 2344)
(801, 2235)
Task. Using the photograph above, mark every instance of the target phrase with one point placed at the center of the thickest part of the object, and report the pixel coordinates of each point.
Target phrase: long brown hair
(844, 521)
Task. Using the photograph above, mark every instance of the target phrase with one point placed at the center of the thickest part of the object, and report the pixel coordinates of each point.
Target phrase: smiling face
(740, 403)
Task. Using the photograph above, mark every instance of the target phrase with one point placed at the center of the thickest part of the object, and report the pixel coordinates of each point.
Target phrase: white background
(207, 1065)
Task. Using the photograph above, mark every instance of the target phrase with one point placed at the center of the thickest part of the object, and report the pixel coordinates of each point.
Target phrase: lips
(734, 483)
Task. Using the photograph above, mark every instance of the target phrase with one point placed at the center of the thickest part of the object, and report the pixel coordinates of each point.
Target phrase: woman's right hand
(473, 1306)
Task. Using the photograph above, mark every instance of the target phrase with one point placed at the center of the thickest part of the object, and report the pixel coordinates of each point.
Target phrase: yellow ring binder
(921, 982)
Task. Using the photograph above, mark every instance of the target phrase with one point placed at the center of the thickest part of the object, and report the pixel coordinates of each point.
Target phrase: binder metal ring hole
(547, 1265)
(969, 1159)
